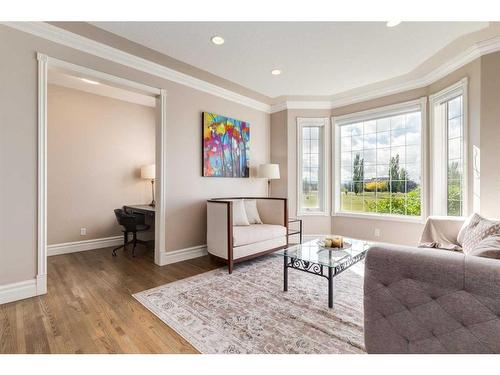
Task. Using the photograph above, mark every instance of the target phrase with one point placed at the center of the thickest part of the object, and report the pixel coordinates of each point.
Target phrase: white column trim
(41, 278)
(161, 181)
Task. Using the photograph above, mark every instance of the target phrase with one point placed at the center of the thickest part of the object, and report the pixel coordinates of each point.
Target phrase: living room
(344, 202)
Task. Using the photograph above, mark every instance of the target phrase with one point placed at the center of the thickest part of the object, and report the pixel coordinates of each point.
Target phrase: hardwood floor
(89, 307)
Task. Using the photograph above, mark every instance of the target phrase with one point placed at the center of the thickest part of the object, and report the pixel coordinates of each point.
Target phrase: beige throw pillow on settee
(478, 230)
(488, 248)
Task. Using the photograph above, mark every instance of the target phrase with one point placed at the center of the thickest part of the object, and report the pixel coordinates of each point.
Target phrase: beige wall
(96, 146)
(490, 135)
(279, 152)
(396, 231)
(186, 189)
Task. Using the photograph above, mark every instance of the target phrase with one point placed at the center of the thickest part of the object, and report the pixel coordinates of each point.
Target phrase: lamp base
(153, 203)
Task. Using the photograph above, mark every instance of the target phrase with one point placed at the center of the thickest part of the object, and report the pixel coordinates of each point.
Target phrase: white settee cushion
(239, 213)
(244, 235)
(252, 211)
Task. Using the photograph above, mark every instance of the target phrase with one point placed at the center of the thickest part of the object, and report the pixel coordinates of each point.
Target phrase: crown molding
(472, 53)
(279, 107)
(78, 42)
(75, 41)
(302, 104)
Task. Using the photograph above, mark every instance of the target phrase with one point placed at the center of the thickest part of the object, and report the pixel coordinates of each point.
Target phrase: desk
(144, 209)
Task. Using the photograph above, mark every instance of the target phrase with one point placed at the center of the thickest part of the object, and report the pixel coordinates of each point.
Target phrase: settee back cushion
(252, 211)
(239, 213)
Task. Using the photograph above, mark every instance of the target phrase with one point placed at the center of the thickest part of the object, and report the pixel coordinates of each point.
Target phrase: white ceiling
(317, 58)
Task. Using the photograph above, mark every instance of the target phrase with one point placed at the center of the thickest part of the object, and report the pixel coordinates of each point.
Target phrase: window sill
(405, 219)
(312, 213)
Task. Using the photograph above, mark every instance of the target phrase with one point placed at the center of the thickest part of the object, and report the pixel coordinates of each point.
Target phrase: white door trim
(41, 277)
(161, 179)
(44, 62)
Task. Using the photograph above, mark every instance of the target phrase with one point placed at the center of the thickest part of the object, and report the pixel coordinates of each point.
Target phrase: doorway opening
(110, 156)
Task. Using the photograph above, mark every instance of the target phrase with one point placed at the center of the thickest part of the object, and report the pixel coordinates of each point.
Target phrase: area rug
(248, 312)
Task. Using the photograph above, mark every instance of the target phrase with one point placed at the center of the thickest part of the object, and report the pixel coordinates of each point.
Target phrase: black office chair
(130, 224)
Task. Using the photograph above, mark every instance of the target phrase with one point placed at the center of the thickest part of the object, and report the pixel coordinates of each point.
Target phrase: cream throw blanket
(441, 233)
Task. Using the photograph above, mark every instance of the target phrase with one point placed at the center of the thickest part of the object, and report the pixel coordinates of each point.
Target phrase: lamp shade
(270, 171)
(148, 172)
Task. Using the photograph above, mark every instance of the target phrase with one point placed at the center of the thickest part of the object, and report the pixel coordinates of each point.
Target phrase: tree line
(398, 180)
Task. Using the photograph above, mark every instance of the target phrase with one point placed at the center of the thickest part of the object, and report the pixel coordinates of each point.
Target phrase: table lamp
(269, 171)
(148, 173)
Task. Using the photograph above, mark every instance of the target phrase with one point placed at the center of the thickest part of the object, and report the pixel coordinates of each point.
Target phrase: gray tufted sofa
(420, 300)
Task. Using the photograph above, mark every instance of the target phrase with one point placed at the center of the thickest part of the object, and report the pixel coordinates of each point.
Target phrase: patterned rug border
(139, 296)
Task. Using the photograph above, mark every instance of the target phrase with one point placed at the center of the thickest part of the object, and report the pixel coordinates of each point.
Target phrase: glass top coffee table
(312, 258)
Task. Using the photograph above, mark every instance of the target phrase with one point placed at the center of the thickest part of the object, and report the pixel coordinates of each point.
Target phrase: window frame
(373, 114)
(323, 166)
(439, 136)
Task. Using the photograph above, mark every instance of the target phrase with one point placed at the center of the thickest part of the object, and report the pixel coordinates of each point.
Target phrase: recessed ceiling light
(275, 72)
(392, 23)
(90, 81)
(218, 40)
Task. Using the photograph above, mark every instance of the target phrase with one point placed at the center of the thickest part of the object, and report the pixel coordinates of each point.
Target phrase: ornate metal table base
(318, 269)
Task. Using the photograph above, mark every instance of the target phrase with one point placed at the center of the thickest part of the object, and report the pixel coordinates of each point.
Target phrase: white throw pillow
(488, 248)
(239, 213)
(252, 211)
(478, 229)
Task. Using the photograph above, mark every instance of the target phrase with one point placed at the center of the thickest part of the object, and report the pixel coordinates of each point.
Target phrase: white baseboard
(74, 247)
(199, 251)
(183, 254)
(41, 284)
(16, 291)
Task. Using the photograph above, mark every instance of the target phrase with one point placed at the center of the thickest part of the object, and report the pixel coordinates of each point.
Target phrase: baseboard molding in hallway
(77, 246)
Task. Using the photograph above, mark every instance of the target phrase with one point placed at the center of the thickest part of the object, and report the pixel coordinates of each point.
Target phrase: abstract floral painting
(225, 146)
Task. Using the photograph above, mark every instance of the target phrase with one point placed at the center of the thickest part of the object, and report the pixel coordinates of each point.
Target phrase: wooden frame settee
(233, 244)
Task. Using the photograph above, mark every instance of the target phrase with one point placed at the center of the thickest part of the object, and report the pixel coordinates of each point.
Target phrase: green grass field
(381, 202)
(353, 202)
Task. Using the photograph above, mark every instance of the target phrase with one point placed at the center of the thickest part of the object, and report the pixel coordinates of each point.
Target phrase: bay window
(379, 168)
